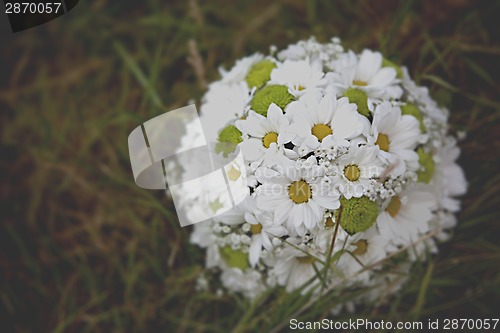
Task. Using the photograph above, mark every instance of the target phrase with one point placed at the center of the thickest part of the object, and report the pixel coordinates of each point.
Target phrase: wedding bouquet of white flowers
(351, 172)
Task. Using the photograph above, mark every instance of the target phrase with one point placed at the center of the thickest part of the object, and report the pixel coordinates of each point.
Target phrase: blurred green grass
(85, 250)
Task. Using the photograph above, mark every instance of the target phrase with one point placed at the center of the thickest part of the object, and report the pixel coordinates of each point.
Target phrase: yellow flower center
(320, 131)
(255, 228)
(270, 138)
(329, 222)
(352, 172)
(359, 83)
(233, 174)
(394, 206)
(361, 247)
(300, 88)
(306, 259)
(383, 142)
(299, 191)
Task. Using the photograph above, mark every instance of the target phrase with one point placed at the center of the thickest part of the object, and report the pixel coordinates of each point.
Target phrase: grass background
(83, 249)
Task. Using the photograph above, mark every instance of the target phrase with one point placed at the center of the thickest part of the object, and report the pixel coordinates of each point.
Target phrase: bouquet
(350, 172)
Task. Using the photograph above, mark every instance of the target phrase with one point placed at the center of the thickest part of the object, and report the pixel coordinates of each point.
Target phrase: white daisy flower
(365, 248)
(421, 96)
(240, 70)
(299, 75)
(294, 266)
(365, 73)
(397, 136)
(406, 216)
(356, 168)
(297, 196)
(324, 119)
(263, 230)
(266, 134)
(323, 238)
(449, 179)
(236, 216)
(221, 104)
(382, 286)
(442, 223)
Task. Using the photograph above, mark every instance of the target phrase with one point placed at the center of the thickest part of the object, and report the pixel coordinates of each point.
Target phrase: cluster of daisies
(351, 174)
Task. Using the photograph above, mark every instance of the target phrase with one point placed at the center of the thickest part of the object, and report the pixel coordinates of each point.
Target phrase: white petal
(406, 133)
(329, 202)
(346, 124)
(250, 218)
(285, 136)
(277, 231)
(369, 64)
(297, 215)
(275, 116)
(266, 242)
(255, 249)
(458, 184)
(270, 202)
(282, 211)
(326, 108)
(383, 77)
(252, 149)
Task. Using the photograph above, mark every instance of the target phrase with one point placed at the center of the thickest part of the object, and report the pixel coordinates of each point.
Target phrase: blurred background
(83, 249)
